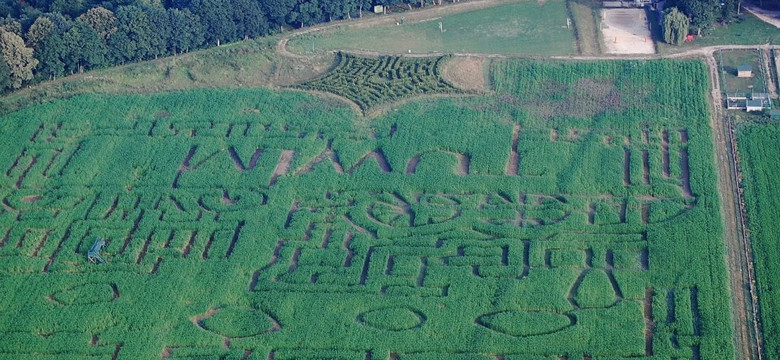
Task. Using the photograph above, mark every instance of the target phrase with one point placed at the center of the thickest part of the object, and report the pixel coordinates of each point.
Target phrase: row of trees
(682, 16)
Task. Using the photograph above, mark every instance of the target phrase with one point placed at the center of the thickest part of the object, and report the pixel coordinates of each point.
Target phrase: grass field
(729, 60)
(760, 162)
(747, 29)
(522, 28)
(572, 214)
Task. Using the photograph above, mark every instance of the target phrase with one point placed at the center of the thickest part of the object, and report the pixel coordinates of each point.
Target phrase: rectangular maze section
(54, 229)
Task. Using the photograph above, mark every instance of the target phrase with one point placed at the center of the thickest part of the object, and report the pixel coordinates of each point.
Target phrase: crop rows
(374, 81)
(759, 161)
(255, 224)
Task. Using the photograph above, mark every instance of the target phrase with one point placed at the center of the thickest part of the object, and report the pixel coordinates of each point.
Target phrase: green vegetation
(675, 26)
(250, 63)
(586, 25)
(527, 28)
(760, 163)
(746, 29)
(373, 81)
(572, 213)
(729, 60)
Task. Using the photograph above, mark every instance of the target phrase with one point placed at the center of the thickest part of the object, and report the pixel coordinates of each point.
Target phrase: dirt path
(771, 87)
(746, 345)
(769, 17)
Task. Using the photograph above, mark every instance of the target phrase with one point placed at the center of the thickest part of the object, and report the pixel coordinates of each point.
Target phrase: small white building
(379, 9)
(744, 71)
(754, 105)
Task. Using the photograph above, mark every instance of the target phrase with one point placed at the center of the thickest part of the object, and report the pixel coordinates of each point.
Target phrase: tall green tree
(11, 25)
(5, 77)
(39, 30)
(83, 48)
(306, 12)
(278, 10)
(702, 13)
(48, 45)
(160, 21)
(72, 8)
(675, 26)
(133, 31)
(249, 18)
(187, 29)
(217, 18)
(49, 53)
(334, 9)
(102, 20)
(18, 57)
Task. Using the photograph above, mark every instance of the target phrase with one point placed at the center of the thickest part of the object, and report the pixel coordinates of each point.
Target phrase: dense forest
(45, 39)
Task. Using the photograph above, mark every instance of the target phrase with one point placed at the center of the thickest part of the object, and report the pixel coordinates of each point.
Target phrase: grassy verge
(746, 29)
(251, 63)
(730, 60)
(586, 20)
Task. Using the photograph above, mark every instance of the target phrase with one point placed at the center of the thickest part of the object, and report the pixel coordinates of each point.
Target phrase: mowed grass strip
(746, 29)
(730, 60)
(527, 28)
(585, 23)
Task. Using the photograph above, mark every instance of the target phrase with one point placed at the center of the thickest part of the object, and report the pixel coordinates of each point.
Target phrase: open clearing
(570, 214)
(729, 60)
(466, 72)
(525, 27)
(626, 31)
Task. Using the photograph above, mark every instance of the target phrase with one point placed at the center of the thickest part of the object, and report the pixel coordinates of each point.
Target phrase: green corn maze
(570, 214)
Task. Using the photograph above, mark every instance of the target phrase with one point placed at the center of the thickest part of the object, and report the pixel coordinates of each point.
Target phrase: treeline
(683, 17)
(703, 14)
(44, 39)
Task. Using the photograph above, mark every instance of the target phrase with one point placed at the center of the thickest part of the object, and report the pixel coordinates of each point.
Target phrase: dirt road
(770, 17)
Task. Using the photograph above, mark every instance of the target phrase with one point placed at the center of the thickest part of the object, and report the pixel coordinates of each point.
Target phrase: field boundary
(748, 342)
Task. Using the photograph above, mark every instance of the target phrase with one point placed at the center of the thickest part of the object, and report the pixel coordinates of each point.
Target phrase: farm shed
(378, 9)
(759, 96)
(744, 71)
(754, 105)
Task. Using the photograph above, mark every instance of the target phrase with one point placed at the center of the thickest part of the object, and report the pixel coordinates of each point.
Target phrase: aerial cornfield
(570, 214)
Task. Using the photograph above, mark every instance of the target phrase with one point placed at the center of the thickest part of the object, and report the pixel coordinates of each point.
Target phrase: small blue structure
(94, 252)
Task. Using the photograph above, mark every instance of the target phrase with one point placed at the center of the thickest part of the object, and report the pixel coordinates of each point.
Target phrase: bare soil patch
(625, 31)
(626, 167)
(665, 153)
(467, 73)
(285, 158)
(585, 98)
